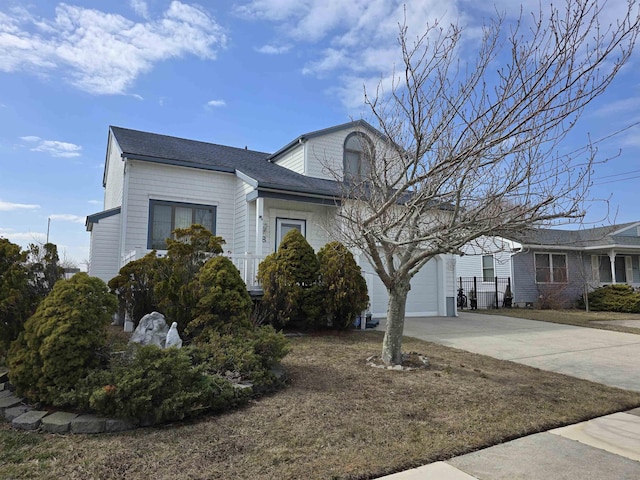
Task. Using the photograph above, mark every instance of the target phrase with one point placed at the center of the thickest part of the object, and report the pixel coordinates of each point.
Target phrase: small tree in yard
(472, 150)
(342, 286)
(290, 281)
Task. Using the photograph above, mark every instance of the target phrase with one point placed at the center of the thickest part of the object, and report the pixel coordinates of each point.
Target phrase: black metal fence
(475, 292)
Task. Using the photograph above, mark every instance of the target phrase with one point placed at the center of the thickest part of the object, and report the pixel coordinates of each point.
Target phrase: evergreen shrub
(615, 298)
(63, 340)
(289, 279)
(343, 288)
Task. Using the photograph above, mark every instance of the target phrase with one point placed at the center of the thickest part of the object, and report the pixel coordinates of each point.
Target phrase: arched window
(357, 149)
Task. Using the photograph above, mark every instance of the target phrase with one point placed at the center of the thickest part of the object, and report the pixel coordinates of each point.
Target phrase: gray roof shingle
(588, 237)
(154, 147)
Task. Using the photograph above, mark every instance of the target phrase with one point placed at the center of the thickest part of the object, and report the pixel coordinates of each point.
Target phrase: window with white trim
(551, 268)
(488, 270)
(285, 225)
(164, 217)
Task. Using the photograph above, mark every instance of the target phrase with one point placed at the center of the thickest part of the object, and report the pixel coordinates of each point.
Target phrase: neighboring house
(156, 183)
(485, 269)
(553, 267)
(556, 266)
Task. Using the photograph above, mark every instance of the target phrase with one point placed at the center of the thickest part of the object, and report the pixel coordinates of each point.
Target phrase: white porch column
(259, 225)
(612, 260)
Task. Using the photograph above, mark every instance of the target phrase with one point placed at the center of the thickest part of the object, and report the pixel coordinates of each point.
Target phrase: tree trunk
(392, 343)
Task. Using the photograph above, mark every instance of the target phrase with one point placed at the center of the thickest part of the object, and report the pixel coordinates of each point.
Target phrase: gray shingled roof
(153, 147)
(588, 237)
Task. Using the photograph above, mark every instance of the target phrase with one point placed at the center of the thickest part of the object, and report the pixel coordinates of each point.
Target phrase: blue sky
(245, 73)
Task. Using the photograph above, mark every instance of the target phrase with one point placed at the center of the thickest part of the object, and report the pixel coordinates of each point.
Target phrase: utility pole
(48, 226)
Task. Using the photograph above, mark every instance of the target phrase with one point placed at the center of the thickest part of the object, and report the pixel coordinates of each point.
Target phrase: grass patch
(579, 318)
(341, 419)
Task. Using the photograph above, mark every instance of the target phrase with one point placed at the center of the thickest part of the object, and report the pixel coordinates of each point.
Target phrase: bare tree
(471, 149)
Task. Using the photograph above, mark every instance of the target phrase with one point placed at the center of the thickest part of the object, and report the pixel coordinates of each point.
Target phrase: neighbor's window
(164, 217)
(488, 271)
(551, 268)
(355, 164)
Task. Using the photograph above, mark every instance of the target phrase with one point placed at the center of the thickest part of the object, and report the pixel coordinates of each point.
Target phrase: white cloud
(53, 147)
(104, 53)
(140, 7)
(95, 202)
(10, 206)
(216, 103)
(67, 217)
(273, 49)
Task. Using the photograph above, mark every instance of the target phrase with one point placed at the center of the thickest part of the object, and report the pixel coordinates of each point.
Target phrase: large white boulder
(152, 330)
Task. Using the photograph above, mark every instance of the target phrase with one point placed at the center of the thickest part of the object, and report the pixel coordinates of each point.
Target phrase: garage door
(422, 300)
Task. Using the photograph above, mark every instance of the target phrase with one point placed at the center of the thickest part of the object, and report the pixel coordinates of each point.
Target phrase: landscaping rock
(4, 376)
(15, 412)
(3, 386)
(113, 425)
(30, 420)
(152, 330)
(88, 424)
(58, 422)
(5, 393)
(173, 338)
(8, 402)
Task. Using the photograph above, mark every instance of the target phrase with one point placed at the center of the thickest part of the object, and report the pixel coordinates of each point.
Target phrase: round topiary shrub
(63, 340)
(344, 289)
(290, 282)
(224, 305)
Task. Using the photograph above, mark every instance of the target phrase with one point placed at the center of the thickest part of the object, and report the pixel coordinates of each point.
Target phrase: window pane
(621, 270)
(354, 142)
(543, 268)
(161, 228)
(184, 217)
(204, 217)
(488, 273)
(604, 269)
(351, 165)
(559, 268)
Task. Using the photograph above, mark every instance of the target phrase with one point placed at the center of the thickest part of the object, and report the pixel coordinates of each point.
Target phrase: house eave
(177, 163)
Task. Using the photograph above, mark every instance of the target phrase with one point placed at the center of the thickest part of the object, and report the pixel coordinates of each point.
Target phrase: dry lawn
(579, 318)
(338, 418)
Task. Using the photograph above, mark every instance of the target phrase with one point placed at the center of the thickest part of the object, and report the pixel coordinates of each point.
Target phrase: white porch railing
(246, 263)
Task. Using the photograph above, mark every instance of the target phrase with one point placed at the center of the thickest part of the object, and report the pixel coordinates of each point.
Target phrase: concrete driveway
(610, 358)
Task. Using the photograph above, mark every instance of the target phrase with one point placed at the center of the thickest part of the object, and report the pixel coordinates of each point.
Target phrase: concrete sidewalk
(599, 449)
(605, 448)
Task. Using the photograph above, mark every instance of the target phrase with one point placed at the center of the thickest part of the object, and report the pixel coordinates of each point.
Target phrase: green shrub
(155, 385)
(26, 277)
(615, 298)
(246, 356)
(176, 287)
(289, 278)
(343, 288)
(63, 340)
(224, 305)
(135, 284)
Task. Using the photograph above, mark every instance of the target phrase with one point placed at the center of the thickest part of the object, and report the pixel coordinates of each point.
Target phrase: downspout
(124, 211)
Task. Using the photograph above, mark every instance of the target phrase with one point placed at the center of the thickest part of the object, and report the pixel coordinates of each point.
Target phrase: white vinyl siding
(152, 181)
(114, 176)
(293, 159)
(104, 248)
(241, 221)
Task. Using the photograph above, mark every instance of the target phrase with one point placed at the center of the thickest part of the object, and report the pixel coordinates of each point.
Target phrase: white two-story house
(155, 183)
